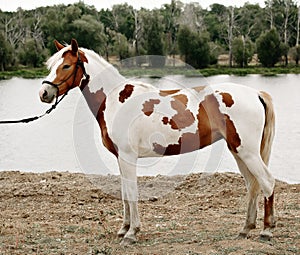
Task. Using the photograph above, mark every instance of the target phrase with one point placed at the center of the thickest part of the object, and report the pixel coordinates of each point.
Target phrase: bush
(242, 51)
(295, 54)
(32, 54)
(6, 56)
(194, 47)
(269, 48)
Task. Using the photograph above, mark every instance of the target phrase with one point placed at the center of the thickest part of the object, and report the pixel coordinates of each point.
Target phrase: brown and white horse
(139, 120)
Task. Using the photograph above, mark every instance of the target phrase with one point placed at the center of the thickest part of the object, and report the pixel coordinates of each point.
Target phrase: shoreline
(34, 73)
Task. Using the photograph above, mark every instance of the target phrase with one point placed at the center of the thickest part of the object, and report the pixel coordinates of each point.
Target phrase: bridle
(82, 85)
(84, 82)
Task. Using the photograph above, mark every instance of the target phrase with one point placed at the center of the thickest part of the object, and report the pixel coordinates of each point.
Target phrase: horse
(139, 120)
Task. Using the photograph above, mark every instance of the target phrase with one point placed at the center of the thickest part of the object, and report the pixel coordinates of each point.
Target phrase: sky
(12, 5)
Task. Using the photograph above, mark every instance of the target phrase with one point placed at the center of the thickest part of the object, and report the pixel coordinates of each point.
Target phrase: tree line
(199, 35)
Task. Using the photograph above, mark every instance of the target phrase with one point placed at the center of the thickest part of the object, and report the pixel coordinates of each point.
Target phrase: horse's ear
(74, 46)
(58, 45)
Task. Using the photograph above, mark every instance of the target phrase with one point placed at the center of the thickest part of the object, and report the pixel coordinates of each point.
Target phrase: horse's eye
(65, 67)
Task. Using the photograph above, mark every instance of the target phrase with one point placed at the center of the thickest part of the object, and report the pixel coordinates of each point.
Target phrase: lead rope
(30, 119)
(83, 84)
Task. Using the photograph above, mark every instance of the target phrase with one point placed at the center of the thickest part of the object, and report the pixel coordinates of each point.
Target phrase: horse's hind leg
(253, 191)
(269, 220)
(266, 183)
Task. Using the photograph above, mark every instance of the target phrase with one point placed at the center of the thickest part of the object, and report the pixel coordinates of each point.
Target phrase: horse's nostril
(45, 94)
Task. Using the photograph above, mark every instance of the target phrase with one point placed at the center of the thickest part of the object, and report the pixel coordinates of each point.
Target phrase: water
(69, 140)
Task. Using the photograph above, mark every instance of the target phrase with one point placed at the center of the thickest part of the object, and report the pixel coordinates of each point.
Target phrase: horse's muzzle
(48, 93)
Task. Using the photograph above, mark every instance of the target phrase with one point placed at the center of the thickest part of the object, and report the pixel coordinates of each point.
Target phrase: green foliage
(171, 15)
(32, 54)
(194, 47)
(242, 50)
(251, 21)
(123, 19)
(26, 37)
(5, 53)
(215, 50)
(121, 47)
(154, 37)
(295, 54)
(269, 48)
(89, 32)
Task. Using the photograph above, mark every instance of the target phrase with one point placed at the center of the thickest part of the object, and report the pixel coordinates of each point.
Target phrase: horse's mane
(96, 65)
(90, 54)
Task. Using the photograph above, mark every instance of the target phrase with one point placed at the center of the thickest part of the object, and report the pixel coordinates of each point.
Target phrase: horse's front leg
(126, 219)
(131, 223)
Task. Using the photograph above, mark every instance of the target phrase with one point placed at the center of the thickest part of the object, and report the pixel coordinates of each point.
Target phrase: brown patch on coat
(232, 137)
(148, 106)
(165, 93)
(97, 104)
(126, 92)
(212, 126)
(165, 120)
(184, 117)
(227, 99)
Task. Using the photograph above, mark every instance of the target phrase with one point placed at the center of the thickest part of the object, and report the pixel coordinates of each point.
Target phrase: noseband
(84, 82)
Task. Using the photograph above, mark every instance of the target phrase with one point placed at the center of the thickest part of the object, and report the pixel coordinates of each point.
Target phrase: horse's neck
(104, 78)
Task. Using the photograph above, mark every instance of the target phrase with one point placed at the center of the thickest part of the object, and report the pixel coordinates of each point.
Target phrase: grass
(214, 70)
(27, 73)
(33, 73)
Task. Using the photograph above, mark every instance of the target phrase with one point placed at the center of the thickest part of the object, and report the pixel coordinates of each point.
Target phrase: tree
(295, 54)
(5, 53)
(193, 17)
(194, 47)
(123, 20)
(89, 33)
(250, 21)
(32, 54)
(242, 50)
(154, 37)
(269, 48)
(215, 21)
(231, 23)
(121, 47)
(171, 13)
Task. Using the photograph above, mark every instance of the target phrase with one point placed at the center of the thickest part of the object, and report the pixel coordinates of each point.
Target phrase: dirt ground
(64, 213)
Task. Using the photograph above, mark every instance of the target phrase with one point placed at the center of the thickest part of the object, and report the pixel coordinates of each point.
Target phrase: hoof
(242, 235)
(128, 241)
(266, 235)
(123, 231)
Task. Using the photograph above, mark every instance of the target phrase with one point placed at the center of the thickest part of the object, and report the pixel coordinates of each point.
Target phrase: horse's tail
(269, 128)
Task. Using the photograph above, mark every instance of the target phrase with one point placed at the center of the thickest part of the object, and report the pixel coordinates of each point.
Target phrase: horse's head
(67, 71)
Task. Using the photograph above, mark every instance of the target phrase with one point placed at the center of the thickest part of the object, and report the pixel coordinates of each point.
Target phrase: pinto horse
(139, 120)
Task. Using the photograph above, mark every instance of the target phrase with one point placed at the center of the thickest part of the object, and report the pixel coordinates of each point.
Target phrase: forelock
(51, 62)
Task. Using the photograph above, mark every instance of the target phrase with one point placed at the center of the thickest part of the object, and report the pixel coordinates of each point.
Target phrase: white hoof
(128, 241)
(123, 231)
(266, 235)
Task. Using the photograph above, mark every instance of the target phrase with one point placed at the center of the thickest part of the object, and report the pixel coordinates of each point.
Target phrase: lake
(69, 140)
